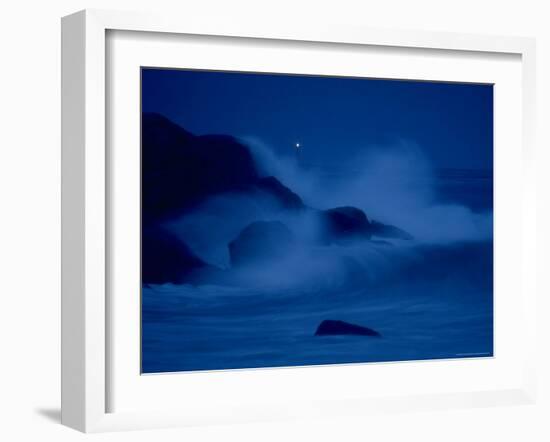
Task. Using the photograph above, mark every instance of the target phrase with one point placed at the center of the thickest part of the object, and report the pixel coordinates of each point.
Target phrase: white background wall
(30, 221)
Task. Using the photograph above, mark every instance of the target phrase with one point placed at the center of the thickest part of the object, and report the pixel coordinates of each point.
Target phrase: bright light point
(297, 145)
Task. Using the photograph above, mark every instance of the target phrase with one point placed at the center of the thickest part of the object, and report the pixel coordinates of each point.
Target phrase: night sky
(333, 118)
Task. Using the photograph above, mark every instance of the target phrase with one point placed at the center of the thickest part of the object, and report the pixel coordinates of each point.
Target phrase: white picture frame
(86, 204)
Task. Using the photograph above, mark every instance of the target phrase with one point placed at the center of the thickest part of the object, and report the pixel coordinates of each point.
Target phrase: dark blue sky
(334, 118)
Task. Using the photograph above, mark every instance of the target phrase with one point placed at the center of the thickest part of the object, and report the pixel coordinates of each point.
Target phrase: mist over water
(392, 184)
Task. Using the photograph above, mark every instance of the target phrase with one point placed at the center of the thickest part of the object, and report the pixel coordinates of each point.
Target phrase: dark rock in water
(282, 194)
(333, 327)
(166, 258)
(344, 223)
(388, 231)
(180, 169)
(347, 223)
(261, 242)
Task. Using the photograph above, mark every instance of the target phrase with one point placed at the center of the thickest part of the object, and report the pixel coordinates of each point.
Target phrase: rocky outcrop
(261, 242)
(341, 224)
(281, 194)
(165, 258)
(344, 223)
(331, 327)
(180, 170)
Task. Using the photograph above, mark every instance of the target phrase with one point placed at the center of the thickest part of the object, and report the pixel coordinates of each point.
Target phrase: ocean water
(430, 298)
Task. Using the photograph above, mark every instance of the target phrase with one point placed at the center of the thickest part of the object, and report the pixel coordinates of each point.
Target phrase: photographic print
(301, 220)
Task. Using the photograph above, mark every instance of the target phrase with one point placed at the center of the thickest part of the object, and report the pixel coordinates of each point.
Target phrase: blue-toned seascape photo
(292, 220)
